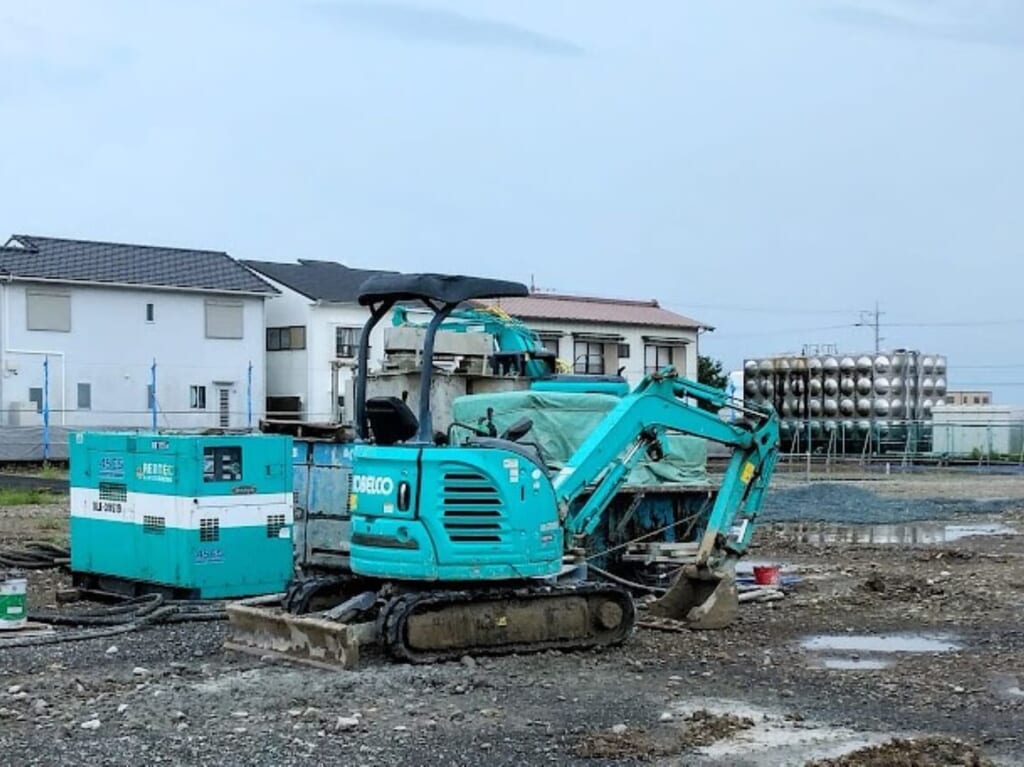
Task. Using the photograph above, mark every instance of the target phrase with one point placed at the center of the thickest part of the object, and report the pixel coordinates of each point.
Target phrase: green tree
(709, 371)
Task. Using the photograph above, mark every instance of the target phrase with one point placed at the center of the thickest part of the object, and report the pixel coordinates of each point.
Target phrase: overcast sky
(771, 168)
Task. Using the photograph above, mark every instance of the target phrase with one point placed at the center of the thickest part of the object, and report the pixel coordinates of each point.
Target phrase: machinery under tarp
(561, 423)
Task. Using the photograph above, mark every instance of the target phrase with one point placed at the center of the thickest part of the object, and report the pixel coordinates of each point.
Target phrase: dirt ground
(898, 645)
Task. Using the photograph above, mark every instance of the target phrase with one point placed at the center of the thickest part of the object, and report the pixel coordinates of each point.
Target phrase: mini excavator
(476, 546)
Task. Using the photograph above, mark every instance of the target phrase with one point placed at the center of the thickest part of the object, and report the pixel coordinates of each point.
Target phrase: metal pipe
(426, 426)
(364, 353)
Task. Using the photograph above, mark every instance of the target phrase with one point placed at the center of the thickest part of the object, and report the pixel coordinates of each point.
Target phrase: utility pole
(872, 319)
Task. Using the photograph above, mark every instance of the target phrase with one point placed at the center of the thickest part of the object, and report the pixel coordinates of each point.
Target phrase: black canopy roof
(444, 288)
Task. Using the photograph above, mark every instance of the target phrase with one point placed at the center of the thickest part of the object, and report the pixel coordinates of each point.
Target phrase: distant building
(965, 397)
(989, 431)
(605, 335)
(84, 322)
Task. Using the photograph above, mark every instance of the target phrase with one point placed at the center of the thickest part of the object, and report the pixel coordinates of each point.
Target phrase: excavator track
(433, 626)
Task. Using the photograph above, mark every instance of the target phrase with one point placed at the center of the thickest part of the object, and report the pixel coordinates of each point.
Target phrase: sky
(771, 169)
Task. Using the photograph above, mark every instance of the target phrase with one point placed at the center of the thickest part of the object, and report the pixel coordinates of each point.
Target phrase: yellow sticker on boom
(747, 473)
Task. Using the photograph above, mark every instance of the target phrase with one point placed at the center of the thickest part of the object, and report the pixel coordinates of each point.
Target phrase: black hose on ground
(96, 633)
(132, 614)
(34, 555)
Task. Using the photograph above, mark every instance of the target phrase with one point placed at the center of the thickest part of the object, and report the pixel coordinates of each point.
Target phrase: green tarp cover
(561, 423)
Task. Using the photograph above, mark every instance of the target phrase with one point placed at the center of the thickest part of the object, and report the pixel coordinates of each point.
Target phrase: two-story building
(313, 327)
(108, 334)
(607, 336)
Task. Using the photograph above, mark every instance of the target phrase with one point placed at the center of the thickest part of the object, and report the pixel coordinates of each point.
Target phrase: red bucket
(766, 575)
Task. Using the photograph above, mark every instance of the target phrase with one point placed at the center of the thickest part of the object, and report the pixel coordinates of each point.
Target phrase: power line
(715, 336)
(683, 305)
(876, 322)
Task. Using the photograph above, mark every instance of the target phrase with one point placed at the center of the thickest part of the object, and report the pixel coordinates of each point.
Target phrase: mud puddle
(852, 663)
(921, 533)
(871, 652)
(882, 643)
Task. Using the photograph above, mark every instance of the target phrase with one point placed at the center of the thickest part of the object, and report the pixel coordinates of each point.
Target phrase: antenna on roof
(534, 288)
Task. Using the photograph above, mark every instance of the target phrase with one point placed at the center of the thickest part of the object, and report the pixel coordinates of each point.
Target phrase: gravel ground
(748, 696)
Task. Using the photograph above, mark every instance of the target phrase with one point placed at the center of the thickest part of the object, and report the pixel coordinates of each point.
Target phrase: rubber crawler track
(396, 613)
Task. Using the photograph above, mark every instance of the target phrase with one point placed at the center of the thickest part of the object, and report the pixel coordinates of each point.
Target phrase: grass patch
(51, 472)
(17, 497)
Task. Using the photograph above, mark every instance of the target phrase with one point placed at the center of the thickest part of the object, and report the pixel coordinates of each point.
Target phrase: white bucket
(13, 613)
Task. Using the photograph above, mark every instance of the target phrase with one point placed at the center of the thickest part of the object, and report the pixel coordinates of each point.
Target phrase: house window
(197, 397)
(346, 342)
(150, 313)
(588, 357)
(550, 344)
(656, 357)
(623, 351)
(84, 396)
(284, 339)
(35, 394)
(48, 310)
(224, 319)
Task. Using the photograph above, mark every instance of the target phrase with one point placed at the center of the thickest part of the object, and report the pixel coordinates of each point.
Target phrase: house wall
(684, 355)
(324, 321)
(287, 371)
(308, 373)
(111, 346)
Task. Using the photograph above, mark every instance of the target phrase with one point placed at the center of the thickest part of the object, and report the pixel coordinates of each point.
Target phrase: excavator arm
(637, 426)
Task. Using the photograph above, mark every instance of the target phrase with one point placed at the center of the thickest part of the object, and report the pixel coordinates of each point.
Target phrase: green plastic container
(12, 603)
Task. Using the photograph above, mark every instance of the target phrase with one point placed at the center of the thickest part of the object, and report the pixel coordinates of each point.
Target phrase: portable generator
(191, 516)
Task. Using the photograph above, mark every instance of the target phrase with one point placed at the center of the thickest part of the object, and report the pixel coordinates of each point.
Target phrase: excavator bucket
(700, 598)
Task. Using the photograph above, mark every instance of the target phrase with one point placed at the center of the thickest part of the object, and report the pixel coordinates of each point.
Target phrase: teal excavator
(477, 547)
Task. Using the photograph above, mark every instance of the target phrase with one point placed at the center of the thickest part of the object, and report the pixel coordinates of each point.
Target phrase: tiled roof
(317, 280)
(550, 306)
(51, 258)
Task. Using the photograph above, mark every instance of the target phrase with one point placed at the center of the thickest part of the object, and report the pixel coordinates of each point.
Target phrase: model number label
(111, 468)
(372, 485)
(109, 506)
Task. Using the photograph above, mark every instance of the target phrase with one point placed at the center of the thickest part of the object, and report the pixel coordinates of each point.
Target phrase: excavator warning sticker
(747, 473)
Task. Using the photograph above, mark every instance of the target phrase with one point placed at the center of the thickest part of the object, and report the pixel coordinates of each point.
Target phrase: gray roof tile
(50, 258)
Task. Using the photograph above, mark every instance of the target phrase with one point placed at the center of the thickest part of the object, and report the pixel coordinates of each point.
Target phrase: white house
(87, 327)
(605, 335)
(312, 336)
(313, 330)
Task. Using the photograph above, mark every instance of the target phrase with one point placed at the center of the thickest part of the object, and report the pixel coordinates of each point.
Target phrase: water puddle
(852, 664)
(917, 532)
(881, 643)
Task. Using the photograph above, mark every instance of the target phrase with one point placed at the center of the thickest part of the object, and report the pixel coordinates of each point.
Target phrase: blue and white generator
(191, 516)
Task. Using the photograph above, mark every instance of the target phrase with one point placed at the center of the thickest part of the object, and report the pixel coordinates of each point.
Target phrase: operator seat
(391, 420)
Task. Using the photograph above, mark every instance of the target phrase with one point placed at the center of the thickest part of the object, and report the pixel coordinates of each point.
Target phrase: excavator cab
(479, 510)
